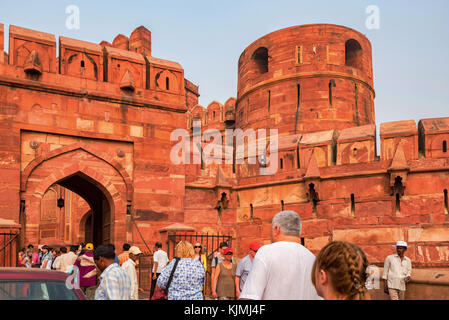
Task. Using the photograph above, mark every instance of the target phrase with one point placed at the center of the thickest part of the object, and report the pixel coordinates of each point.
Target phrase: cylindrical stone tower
(304, 79)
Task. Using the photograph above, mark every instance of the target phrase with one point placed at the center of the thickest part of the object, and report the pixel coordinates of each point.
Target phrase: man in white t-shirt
(282, 270)
(160, 261)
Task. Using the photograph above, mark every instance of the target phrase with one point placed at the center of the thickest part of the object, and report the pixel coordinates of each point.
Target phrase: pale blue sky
(410, 50)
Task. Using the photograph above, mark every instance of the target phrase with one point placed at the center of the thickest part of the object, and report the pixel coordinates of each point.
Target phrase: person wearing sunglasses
(199, 255)
(244, 267)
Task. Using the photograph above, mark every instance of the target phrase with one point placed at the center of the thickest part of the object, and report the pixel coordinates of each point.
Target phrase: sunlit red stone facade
(92, 126)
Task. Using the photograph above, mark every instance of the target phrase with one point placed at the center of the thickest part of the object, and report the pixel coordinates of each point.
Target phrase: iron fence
(210, 244)
(8, 248)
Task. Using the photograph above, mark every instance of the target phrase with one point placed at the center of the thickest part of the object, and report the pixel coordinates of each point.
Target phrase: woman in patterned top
(189, 276)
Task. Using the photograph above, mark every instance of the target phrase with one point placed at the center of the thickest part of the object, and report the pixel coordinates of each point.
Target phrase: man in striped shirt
(115, 284)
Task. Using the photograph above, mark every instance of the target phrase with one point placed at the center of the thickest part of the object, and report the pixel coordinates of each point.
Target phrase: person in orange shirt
(122, 257)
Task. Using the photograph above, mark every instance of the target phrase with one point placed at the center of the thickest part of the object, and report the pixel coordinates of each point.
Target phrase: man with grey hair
(282, 270)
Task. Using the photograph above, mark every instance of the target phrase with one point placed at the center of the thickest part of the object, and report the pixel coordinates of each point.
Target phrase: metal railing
(209, 242)
(8, 248)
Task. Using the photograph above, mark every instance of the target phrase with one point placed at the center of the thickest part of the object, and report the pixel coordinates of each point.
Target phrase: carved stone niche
(312, 194)
(222, 203)
(127, 83)
(33, 66)
(397, 184)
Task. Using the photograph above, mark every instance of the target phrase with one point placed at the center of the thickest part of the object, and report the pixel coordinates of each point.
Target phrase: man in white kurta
(129, 266)
(397, 272)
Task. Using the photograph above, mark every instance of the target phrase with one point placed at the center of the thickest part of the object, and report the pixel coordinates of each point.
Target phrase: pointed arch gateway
(97, 179)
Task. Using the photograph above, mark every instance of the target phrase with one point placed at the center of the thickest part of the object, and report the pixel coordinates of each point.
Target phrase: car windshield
(35, 290)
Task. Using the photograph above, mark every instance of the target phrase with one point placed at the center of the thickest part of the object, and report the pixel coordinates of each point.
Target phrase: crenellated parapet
(81, 59)
(215, 116)
(352, 149)
(123, 68)
(434, 137)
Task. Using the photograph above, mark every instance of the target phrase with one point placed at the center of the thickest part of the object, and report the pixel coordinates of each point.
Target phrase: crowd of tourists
(281, 270)
(99, 272)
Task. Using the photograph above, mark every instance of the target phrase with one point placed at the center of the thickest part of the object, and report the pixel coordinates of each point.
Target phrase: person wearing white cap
(129, 266)
(397, 272)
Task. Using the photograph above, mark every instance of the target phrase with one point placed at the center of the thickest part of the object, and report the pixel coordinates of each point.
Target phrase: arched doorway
(90, 191)
(59, 211)
(100, 184)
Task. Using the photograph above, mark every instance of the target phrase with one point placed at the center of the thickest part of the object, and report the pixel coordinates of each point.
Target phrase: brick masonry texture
(93, 126)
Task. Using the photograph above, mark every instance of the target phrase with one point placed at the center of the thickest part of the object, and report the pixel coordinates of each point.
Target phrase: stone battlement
(353, 145)
(123, 68)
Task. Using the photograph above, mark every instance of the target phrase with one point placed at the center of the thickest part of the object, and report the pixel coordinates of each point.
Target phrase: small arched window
(167, 83)
(82, 64)
(444, 146)
(353, 54)
(260, 57)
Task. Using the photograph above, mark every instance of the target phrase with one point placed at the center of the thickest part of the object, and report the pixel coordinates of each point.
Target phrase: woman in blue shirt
(189, 275)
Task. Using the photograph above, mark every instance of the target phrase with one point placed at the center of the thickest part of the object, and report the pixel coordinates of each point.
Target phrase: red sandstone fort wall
(97, 120)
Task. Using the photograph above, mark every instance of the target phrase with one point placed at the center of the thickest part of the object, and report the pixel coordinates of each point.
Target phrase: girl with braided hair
(339, 272)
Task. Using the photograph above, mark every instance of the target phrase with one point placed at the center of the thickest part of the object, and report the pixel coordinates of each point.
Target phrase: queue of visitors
(281, 270)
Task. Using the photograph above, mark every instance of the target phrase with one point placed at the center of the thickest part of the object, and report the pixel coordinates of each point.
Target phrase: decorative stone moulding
(120, 153)
(33, 64)
(34, 144)
(127, 82)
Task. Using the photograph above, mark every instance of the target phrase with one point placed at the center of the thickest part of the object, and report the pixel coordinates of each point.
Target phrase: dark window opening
(282, 163)
(398, 202)
(251, 213)
(398, 187)
(298, 58)
(303, 242)
(353, 54)
(352, 205)
(282, 205)
(82, 64)
(313, 196)
(331, 84)
(298, 96)
(269, 101)
(297, 158)
(213, 114)
(260, 57)
(167, 83)
(298, 100)
(444, 146)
